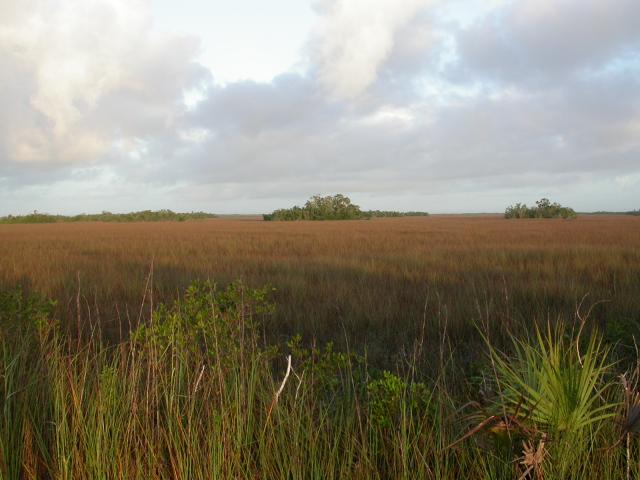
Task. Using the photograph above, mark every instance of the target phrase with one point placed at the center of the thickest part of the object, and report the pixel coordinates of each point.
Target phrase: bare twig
(78, 310)
(299, 377)
(583, 321)
(274, 402)
(146, 289)
(197, 384)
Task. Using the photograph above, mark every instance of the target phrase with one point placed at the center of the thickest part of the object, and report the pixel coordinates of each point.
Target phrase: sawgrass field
(414, 347)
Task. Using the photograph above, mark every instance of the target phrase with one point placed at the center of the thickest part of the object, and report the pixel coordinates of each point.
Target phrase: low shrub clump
(543, 209)
(334, 207)
(331, 207)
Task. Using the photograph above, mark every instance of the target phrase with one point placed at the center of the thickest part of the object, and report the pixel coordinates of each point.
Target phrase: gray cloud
(541, 40)
(538, 97)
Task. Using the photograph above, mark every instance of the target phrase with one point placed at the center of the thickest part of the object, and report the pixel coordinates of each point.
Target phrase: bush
(331, 207)
(543, 209)
(553, 393)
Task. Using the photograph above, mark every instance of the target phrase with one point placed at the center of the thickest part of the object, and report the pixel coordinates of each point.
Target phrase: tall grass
(365, 282)
(191, 392)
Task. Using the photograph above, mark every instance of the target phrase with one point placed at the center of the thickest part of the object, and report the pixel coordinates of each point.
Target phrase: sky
(446, 106)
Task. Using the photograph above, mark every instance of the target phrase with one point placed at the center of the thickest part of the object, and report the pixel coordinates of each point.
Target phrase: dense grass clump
(195, 392)
(141, 216)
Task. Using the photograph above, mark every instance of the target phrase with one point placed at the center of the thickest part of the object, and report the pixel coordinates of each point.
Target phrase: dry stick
(300, 378)
(195, 388)
(126, 310)
(353, 386)
(151, 360)
(488, 421)
(274, 402)
(97, 307)
(506, 296)
(78, 309)
(507, 420)
(217, 347)
(151, 289)
(146, 289)
(92, 326)
(119, 323)
(628, 455)
(417, 348)
(583, 321)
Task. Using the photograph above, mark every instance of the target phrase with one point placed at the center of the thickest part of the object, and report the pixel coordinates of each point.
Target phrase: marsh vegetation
(423, 347)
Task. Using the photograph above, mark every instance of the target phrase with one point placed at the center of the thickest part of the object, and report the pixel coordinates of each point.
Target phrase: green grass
(191, 393)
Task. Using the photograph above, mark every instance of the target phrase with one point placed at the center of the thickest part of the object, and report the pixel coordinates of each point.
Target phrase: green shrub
(543, 209)
(331, 207)
(553, 389)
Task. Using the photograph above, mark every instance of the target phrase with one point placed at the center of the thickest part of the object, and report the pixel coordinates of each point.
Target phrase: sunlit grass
(98, 386)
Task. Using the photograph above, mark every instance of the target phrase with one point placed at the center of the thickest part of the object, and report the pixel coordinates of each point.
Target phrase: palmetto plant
(551, 396)
(548, 383)
(550, 388)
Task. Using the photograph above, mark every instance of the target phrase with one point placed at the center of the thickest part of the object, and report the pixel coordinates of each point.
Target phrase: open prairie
(463, 347)
(370, 280)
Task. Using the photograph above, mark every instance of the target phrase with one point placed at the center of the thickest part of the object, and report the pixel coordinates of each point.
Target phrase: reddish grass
(362, 280)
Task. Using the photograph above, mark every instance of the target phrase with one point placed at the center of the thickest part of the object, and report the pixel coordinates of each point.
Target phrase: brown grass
(366, 281)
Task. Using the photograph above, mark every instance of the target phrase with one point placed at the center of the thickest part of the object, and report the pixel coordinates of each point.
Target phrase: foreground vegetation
(141, 216)
(543, 209)
(193, 392)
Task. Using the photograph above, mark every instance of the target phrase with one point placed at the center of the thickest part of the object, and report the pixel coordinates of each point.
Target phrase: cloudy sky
(246, 106)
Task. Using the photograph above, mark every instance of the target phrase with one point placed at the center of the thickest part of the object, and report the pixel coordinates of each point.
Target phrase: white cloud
(85, 73)
(355, 37)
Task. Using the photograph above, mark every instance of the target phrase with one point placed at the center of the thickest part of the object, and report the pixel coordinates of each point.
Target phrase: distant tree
(330, 207)
(393, 213)
(142, 216)
(544, 209)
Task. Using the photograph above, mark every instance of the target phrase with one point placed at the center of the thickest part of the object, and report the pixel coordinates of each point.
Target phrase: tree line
(543, 209)
(141, 216)
(332, 207)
